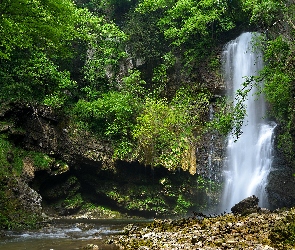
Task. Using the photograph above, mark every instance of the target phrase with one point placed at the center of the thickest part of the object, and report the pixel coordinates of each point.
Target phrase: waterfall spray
(248, 160)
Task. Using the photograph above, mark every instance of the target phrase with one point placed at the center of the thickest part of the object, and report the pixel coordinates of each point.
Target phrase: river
(65, 235)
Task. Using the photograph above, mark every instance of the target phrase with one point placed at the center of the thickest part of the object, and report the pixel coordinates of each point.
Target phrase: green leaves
(32, 77)
(278, 76)
(113, 113)
(104, 49)
(28, 23)
(39, 40)
(166, 131)
(109, 114)
(264, 12)
(185, 19)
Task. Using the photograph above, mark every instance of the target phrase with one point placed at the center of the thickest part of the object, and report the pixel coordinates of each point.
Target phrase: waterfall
(248, 160)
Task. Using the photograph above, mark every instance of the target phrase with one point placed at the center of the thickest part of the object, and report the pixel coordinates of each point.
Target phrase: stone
(246, 206)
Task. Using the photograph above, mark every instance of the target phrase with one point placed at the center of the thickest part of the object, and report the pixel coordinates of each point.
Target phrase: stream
(65, 235)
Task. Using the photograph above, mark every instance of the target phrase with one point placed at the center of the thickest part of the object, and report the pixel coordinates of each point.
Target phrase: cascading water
(248, 160)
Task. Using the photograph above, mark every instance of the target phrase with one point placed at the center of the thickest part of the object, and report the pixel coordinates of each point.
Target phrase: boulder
(246, 206)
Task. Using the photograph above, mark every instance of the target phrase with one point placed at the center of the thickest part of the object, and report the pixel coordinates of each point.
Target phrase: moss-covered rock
(264, 230)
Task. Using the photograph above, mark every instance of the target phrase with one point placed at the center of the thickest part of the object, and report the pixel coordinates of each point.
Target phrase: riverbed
(65, 235)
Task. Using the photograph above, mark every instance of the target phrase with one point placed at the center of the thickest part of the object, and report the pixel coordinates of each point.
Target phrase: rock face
(81, 171)
(246, 206)
(281, 180)
(29, 198)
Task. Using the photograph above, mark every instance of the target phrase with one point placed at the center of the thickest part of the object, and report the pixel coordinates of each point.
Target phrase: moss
(13, 215)
(282, 235)
(12, 212)
(41, 161)
(73, 203)
(98, 211)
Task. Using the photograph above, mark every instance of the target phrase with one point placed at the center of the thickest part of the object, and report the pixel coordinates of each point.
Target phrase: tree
(36, 23)
(39, 39)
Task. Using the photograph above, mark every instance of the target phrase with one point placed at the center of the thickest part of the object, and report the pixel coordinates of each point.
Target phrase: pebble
(222, 232)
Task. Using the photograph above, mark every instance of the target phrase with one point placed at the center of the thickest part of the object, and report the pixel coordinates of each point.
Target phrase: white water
(66, 235)
(248, 160)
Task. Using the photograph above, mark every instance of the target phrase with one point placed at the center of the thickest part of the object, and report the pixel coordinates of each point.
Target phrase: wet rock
(2, 234)
(28, 197)
(223, 232)
(91, 246)
(246, 206)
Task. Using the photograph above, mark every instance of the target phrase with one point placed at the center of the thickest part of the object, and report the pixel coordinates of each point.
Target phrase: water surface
(65, 235)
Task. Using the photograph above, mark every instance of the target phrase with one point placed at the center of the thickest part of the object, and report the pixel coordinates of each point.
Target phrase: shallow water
(65, 235)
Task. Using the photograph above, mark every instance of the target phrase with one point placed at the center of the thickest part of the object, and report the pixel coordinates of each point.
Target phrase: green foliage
(12, 158)
(104, 52)
(41, 161)
(146, 41)
(113, 9)
(191, 27)
(230, 116)
(278, 76)
(124, 149)
(286, 143)
(33, 77)
(161, 75)
(41, 41)
(29, 23)
(263, 13)
(108, 114)
(183, 205)
(133, 84)
(113, 114)
(166, 131)
(74, 202)
(185, 19)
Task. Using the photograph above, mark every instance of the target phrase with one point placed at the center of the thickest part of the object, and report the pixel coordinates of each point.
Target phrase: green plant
(74, 202)
(166, 131)
(182, 205)
(112, 115)
(40, 160)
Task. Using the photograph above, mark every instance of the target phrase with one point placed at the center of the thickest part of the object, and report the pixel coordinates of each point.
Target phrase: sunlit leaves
(104, 42)
(111, 115)
(264, 12)
(153, 5)
(279, 75)
(184, 19)
(38, 40)
(166, 132)
(27, 23)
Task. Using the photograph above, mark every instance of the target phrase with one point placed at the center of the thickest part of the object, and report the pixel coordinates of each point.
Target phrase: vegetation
(74, 59)
(13, 213)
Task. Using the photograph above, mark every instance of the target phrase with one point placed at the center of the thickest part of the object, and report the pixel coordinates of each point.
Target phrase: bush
(166, 132)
